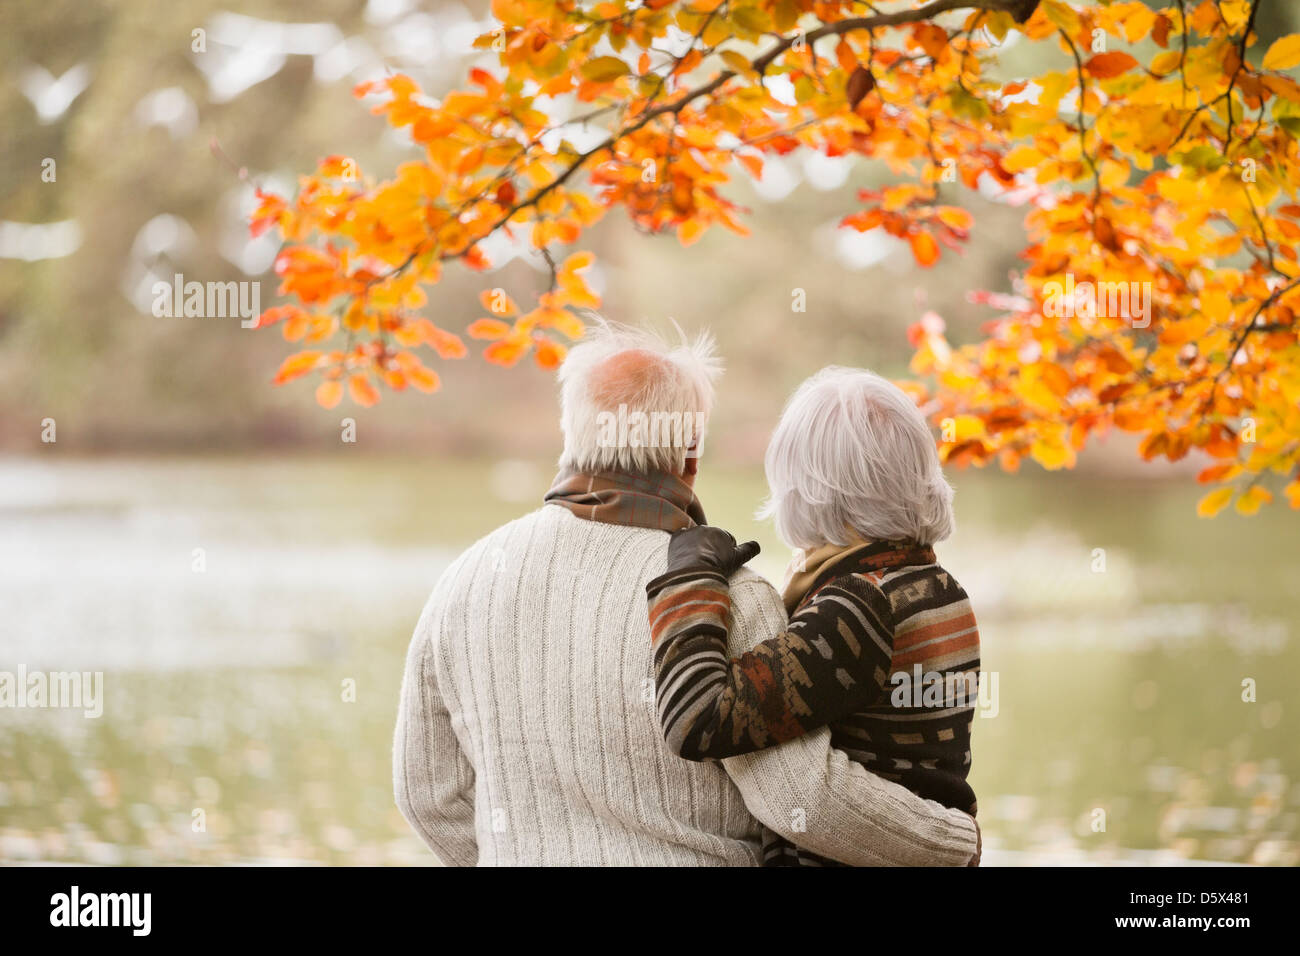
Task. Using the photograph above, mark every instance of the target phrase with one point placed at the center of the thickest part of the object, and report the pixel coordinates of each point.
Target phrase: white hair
(853, 459)
(632, 401)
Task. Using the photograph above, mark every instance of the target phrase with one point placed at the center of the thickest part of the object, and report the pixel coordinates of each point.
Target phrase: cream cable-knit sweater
(527, 735)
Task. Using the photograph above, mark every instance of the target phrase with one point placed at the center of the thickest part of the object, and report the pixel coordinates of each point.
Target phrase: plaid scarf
(808, 572)
(653, 500)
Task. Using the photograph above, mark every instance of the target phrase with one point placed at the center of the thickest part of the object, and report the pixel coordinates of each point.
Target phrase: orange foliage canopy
(1159, 167)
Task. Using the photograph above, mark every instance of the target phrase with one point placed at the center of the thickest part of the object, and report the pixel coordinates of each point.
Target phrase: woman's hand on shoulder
(706, 548)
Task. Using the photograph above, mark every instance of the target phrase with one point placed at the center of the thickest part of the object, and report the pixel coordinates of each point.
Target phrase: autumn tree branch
(1020, 10)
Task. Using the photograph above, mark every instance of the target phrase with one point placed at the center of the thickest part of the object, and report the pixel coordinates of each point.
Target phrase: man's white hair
(616, 374)
(853, 459)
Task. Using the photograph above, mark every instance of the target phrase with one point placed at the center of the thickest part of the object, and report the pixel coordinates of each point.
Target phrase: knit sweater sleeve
(818, 798)
(831, 661)
(433, 780)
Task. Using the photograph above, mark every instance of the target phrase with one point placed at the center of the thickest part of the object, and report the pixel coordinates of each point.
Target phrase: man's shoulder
(552, 528)
(489, 548)
(756, 609)
(752, 586)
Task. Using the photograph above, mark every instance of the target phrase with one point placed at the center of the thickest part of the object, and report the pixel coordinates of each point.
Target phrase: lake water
(250, 618)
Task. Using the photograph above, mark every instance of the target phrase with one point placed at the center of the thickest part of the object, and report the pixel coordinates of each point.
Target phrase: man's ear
(692, 466)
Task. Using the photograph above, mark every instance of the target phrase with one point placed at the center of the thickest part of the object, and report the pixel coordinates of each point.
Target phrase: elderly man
(527, 732)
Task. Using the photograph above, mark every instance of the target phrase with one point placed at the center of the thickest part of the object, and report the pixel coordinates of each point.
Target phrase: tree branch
(1019, 9)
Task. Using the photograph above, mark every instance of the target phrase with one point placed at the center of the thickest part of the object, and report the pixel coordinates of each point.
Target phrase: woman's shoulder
(901, 587)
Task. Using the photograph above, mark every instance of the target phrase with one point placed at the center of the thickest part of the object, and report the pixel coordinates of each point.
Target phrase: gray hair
(852, 458)
(632, 401)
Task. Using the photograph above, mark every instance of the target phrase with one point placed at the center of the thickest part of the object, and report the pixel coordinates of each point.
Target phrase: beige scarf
(808, 568)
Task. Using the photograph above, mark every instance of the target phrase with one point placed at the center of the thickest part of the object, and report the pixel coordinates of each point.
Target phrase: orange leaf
(329, 392)
(296, 366)
(1222, 443)
(924, 248)
(549, 354)
(955, 217)
(565, 322)
(296, 326)
(689, 232)
(1160, 33)
(1154, 444)
(507, 352)
(1217, 473)
(488, 329)
(1104, 66)
(447, 344)
(845, 56)
(1132, 419)
(497, 302)
(410, 333)
(362, 392)
(1292, 492)
(426, 380)
(275, 314)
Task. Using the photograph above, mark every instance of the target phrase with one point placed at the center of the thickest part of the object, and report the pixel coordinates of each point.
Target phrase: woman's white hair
(632, 401)
(853, 459)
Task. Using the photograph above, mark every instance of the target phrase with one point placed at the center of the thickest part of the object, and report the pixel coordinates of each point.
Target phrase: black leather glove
(706, 548)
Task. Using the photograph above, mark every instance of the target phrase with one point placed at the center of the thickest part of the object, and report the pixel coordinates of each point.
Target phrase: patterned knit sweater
(885, 654)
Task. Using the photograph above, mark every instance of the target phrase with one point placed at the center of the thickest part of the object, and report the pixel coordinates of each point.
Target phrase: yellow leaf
(736, 62)
(578, 261)
(1214, 502)
(1250, 502)
(751, 19)
(1021, 158)
(965, 427)
(1063, 15)
(1050, 453)
(1283, 54)
(1165, 63)
(604, 69)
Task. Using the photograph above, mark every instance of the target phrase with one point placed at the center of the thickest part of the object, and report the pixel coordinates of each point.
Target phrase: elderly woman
(881, 644)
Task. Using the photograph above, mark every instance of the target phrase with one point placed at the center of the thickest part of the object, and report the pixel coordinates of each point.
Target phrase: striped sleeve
(832, 660)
